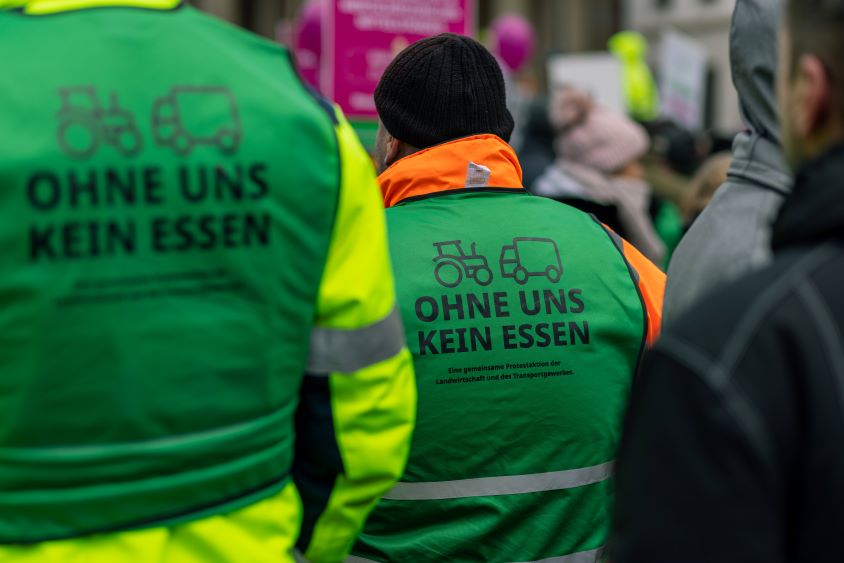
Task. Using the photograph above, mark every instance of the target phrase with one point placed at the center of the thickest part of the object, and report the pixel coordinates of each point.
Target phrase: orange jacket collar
(447, 167)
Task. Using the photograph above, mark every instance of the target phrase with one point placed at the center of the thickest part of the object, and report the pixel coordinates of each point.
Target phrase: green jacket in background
(180, 224)
(640, 89)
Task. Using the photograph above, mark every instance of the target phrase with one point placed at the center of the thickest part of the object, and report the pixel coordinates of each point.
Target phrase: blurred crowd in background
(640, 159)
(227, 336)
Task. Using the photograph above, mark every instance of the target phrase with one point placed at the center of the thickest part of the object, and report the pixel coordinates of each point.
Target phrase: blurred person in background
(640, 91)
(732, 235)
(599, 160)
(669, 166)
(537, 150)
(706, 182)
(684, 170)
(675, 156)
(732, 451)
(526, 318)
(200, 352)
(513, 43)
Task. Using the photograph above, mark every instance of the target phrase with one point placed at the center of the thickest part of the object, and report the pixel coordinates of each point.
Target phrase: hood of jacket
(815, 211)
(757, 156)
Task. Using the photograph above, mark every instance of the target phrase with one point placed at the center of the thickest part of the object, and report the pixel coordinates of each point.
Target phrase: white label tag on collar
(477, 176)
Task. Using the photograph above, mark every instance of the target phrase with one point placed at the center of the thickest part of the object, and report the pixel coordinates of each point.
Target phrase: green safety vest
(163, 232)
(526, 328)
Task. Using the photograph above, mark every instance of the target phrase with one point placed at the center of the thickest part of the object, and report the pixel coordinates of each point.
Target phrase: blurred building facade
(562, 25)
(565, 26)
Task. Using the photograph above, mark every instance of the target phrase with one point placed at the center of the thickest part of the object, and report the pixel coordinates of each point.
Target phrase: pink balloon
(515, 41)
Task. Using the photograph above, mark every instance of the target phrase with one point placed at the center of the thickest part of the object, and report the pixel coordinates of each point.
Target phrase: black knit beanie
(443, 88)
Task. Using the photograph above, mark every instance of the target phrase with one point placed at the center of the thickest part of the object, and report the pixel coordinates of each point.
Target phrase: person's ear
(394, 151)
(811, 102)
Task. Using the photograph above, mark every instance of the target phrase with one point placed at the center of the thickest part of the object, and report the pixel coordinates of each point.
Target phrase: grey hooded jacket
(733, 234)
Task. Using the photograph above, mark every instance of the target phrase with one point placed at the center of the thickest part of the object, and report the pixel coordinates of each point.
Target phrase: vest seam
(730, 397)
(786, 285)
(315, 96)
(334, 121)
(829, 332)
(633, 278)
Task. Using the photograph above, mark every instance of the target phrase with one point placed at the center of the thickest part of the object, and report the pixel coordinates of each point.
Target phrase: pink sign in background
(364, 35)
(307, 37)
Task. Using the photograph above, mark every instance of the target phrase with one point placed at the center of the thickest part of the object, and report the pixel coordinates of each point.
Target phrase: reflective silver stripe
(347, 351)
(591, 556)
(494, 486)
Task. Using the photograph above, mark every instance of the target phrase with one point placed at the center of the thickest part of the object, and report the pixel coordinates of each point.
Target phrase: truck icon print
(84, 124)
(531, 257)
(452, 264)
(190, 116)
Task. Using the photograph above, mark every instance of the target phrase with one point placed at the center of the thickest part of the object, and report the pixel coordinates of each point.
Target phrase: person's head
(439, 89)
(711, 176)
(595, 136)
(811, 78)
(675, 146)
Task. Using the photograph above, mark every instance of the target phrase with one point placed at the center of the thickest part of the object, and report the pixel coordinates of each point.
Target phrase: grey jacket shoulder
(732, 236)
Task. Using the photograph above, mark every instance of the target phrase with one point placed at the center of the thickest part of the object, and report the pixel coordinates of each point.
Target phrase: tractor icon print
(531, 257)
(189, 116)
(452, 263)
(84, 124)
